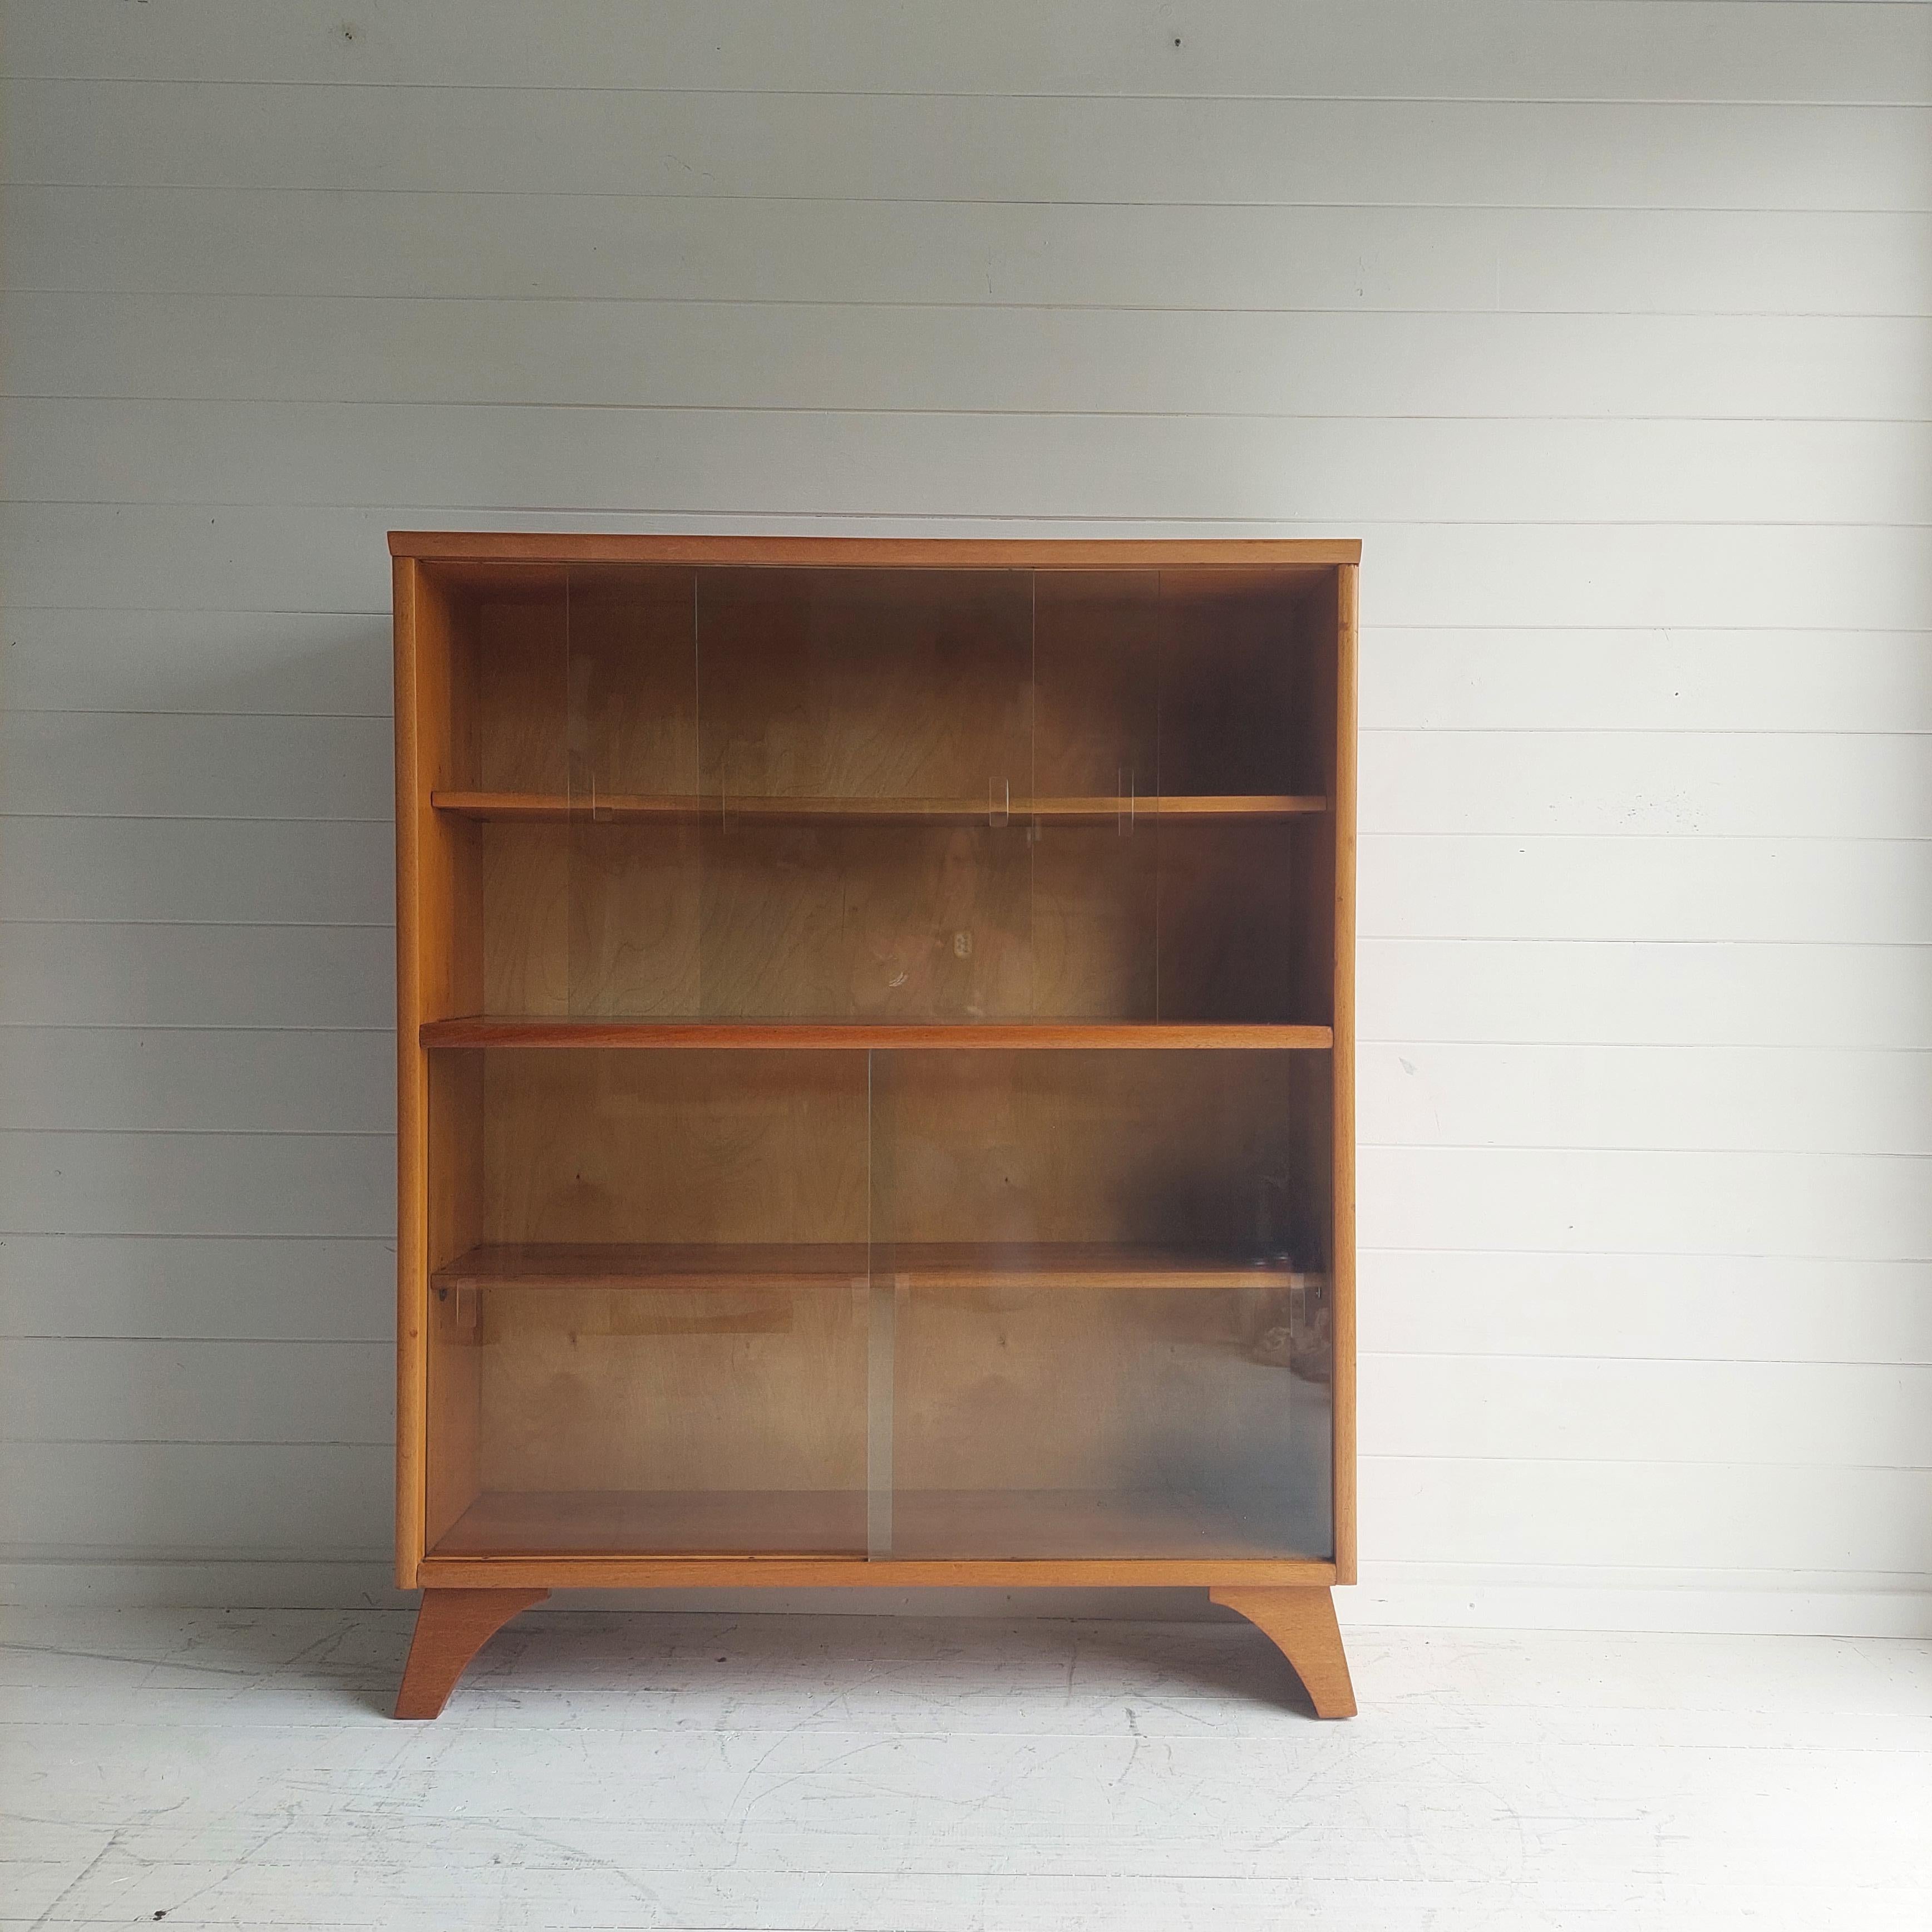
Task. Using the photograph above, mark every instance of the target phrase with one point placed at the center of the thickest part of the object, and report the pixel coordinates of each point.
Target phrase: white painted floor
(598, 1770)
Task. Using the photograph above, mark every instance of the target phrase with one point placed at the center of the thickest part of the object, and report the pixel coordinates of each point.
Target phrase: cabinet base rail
(454, 1624)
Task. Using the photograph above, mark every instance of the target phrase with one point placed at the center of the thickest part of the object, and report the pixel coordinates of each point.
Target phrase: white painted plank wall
(1607, 324)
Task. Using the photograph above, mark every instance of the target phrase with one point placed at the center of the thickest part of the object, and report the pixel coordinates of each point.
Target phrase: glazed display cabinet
(875, 1039)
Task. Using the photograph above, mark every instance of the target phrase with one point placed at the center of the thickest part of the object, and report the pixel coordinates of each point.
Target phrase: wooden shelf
(961, 1525)
(942, 1264)
(1243, 809)
(726, 1264)
(858, 1036)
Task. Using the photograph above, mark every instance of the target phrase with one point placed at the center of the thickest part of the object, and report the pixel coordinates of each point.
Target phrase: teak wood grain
(534, 547)
(618, 807)
(858, 1573)
(867, 1036)
(451, 1627)
(992, 1526)
(1342, 1065)
(817, 1297)
(1300, 1624)
(1033, 1265)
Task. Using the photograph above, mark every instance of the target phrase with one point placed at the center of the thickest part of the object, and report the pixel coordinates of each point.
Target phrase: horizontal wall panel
(1649, 1515)
(274, 241)
(1822, 993)
(1741, 1308)
(243, 1287)
(1026, 148)
(231, 1081)
(338, 455)
(1796, 1099)
(184, 1500)
(309, 871)
(1858, 1207)
(190, 1183)
(105, 972)
(214, 662)
(1844, 891)
(1715, 576)
(1428, 678)
(123, 763)
(1694, 50)
(1762, 784)
(1816, 1414)
(845, 355)
(182, 558)
(171, 1392)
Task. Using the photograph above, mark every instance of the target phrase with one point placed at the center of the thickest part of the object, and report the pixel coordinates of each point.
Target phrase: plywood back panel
(1084, 1146)
(748, 1390)
(1125, 1391)
(867, 922)
(1231, 684)
(874, 683)
(594, 920)
(518, 681)
(452, 1468)
(692, 1146)
(633, 681)
(577, 682)
(1097, 655)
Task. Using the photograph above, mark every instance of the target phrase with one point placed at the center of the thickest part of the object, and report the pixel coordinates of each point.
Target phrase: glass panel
(1109, 1272)
(947, 1303)
(629, 849)
(652, 1336)
(1096, 835)
(516, 733)
(866, 753)
(1246, 888)
(748, 793)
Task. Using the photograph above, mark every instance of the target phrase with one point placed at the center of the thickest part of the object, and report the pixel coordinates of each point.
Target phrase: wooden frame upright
(440, 1002)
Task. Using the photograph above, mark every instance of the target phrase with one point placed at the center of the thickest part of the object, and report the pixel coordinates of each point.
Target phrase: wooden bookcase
(876, 1071)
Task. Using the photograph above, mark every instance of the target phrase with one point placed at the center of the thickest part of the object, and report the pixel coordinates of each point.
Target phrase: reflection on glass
(941, 795)
(632, 852)
(864, 734)
(1109, 1272)
(651, 1332)
(944, 1303)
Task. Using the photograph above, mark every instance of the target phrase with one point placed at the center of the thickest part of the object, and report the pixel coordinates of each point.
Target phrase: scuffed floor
(238, 1769)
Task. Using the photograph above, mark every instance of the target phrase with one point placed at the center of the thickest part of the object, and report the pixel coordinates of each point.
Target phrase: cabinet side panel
(438, 974)
(449, 898)
(1344, 1065)
(452, 1474)
(412, 1094)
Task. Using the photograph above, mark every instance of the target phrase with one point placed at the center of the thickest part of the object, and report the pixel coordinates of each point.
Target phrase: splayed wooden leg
(451, 1627)
(1302, 1624)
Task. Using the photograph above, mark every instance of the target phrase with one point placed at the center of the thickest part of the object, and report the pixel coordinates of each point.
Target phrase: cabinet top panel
(1313, 554)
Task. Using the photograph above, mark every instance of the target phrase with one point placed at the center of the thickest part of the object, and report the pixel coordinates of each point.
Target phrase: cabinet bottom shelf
(919, 1265)
(961, 1525)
